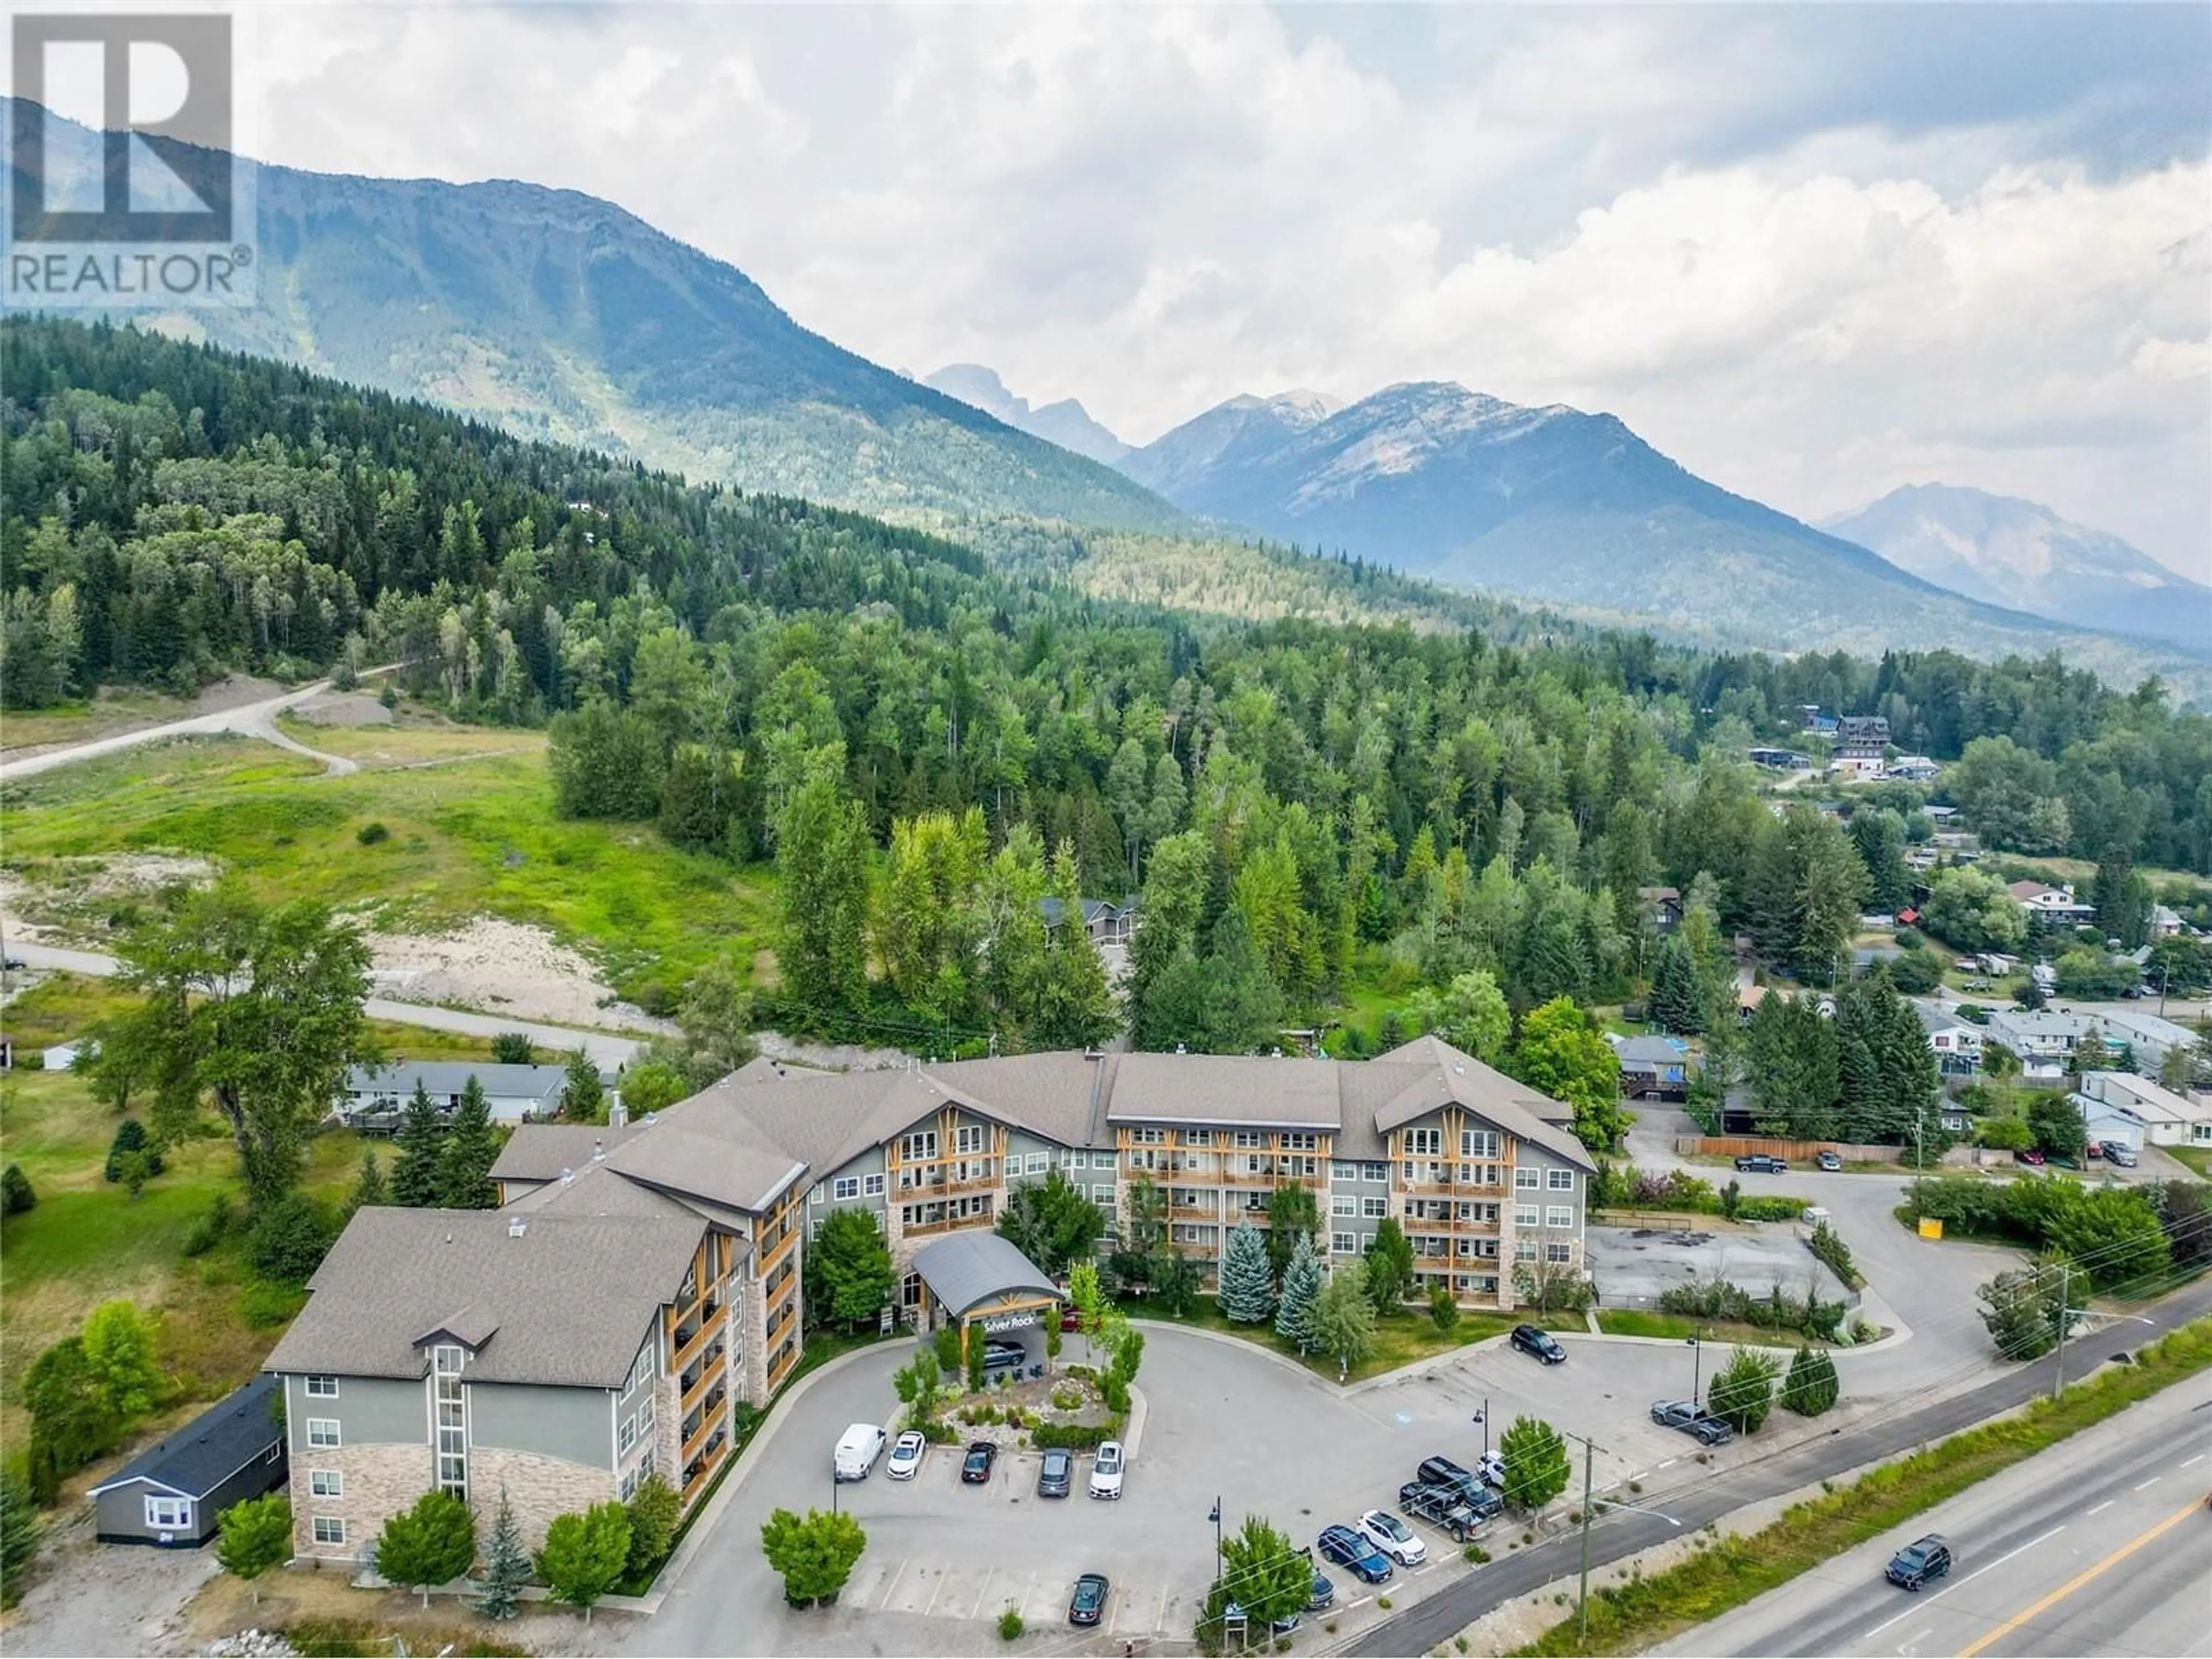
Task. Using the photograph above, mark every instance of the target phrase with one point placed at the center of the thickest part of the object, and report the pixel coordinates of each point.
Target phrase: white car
(1393, 1538)
(906, 1457)
(858, 1448)
(1490, 1469)
(1106, 1470)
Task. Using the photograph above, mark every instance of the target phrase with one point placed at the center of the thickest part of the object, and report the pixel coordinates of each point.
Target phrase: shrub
(948, 1349)
(130, 1137)
(1812, 1385)
(290, 1238)
(264, 1304)
(1769, 1209)
(1828, 1245)
(512, 1049)
(1073, 1437)
(1443, 1309)
(1776, 1311)
(16, 1193)
(1476, 1556)
(19, 1536)
(371, 833)
(212, 1227)
(1009, 1626)
(1742, 1393)
(653, 1512)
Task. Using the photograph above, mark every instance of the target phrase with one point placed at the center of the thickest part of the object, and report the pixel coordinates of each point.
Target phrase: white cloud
(1784, 271)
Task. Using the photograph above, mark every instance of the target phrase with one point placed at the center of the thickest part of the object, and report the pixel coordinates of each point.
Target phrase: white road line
(1901, 1617)
(2186, 1461)
(893, 1585)
(936, 1590)
(1160, 1618)
(2100, 1508)
(2008, 1554)
(2152, 1481)
(976, 1611)
(1670, 1462)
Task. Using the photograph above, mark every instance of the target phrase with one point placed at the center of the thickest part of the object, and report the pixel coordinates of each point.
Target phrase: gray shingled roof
(200, 1457)
(1649, 1051)
(1493, 1096)
(539, 1151)
(1238, 1088)
(574, 1297)
(965, 1269)
(441, 1078)
(733, 1171)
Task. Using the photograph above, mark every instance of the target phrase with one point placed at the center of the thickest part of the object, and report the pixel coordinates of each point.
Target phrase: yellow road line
(2083, 1578)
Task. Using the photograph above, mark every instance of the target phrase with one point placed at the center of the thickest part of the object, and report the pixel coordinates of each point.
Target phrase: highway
(2102, 1545)
(1434, 1620)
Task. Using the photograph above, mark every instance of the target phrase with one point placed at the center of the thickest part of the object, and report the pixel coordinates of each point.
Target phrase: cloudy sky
(1811, 251)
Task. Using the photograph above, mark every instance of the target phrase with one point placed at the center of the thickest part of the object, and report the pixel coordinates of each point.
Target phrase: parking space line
(888, 1589)
(1160, 1614)
(1670, 1462)
(936, 1590)
(989, 1573)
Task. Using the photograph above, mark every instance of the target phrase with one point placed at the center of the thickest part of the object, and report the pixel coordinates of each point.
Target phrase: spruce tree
(414, 1174)
(1677, 1002)
(368, 1188)
(472, 1147)
(1248, 1290)
(506, 1565)
(1301, 1288)
(1812, 1386)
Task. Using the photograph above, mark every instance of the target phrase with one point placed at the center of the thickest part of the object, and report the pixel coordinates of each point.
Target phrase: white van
(858, 1448)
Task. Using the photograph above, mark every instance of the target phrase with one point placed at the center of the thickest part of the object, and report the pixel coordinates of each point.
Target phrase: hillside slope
(565, 316)
(2009, 551)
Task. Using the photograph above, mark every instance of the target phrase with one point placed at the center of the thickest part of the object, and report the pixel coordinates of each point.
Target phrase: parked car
(1831, 1161)
(1088, 1605)
(1005, 1356)
(2030, 1157)
(1761, 1164)
(1920, 1561)
(2096, 1149)
(2119, 1152)
(11, 964)
(975, 1468)
(1283, 1626)
(1685, 1415)
(1056, 1473)
(1443, 1506)
(1541, 1344)
(1351, 1549)
(1393, 1538)
(858, 1448)
(906, 1457)
(1324, 1594)
(1106, 1470)
(1069, 1320)
(1470, 1489)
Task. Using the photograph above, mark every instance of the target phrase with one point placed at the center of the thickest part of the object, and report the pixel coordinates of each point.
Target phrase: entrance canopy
(970, 1272)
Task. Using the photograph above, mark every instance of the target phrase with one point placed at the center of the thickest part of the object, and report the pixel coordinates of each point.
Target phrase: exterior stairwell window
(451, 1407)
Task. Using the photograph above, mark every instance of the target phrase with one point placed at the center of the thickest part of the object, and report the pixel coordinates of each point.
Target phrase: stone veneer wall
(380, 1482)
(747, 1312)
(539, 1487)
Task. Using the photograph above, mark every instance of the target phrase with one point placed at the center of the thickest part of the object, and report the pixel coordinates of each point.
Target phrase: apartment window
(322, 1432)
(1102, 1193)
(1247, 1138)
(1147, 1137)
(1342, 1170)
(1374, 1208)
(1034, 1163)
(815, 1196)
(1344, 1243)
(845, 1187)
(322, 1387)
(1343, 1204)
(873, 1185)
(626, 1437)
(1478, 1143)
(629, 1488)
(910, 1291)
(1300, 1143)
(1528, 1180)
(169, 1514)
(1198, 1137)
(968, 1138)
(1524, 1215)
(639, 1369)
(645, 1418)
(920, 1147)
(1524, 1249)
(1558, 1253)
(1559, 1180)
(451, 1419)
(325, 1483)
(329, 1529)
(1424, 1143)
(1370, 1172)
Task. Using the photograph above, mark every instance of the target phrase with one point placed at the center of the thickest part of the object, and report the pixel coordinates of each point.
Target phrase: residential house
(1781, 760)
(1957, 1042)
(2121, 1106)
(1664, 906)
(2150, 1037)
(1865, 768)
(1107, 921)
(2165, 921)
(2053, 905)
(1814, 721)
(2044, 1041)
(1861, 737)
(1652, 1068)
(1913, 768)
(375, 1096)
(1941, 816)
(174, 1493)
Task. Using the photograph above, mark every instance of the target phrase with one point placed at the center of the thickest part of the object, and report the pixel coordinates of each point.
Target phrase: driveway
(252, 720)
(944, 1560)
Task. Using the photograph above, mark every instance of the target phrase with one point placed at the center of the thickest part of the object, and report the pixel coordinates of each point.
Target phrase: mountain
(2008, 551)
(1066, 423)
(1573, 508)
(562, 316)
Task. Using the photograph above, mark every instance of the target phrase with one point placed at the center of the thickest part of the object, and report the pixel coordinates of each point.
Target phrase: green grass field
(474, 836)
(1400, 1339)
(88, 1242)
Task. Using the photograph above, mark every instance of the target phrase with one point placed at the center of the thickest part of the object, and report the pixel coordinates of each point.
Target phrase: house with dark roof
(174, 1493)
(1652, 1068)
(1107, 921)
(1663, 905)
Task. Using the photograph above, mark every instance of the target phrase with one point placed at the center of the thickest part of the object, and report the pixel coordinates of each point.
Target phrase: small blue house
(172, 1494)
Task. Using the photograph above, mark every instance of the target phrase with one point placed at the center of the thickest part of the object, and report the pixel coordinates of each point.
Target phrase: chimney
(598, 1151)
(567, 1176)
(617, 1114)
(517, 1227)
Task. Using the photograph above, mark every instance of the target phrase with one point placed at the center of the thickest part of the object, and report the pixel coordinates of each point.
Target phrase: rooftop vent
(1460, 1067)
(517, 1227)
(567, 1176)
(1180, 1049)
(598, 1150)
(650, 1117)
(1278, 1052)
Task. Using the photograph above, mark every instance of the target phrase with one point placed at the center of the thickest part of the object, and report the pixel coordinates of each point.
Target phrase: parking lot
(944, 1560)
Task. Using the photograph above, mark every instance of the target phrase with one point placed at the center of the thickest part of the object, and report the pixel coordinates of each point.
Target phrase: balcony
(694, 1333)
(777, 1248)
(704, 1370)
(1193, 1213)
(780, 1367)
(921, 1229)
(707, 1418)
(700, 1469)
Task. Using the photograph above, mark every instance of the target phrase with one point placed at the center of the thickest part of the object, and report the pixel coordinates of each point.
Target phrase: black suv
(1541, 1344)
(1761, 1164)
(1442, 1471)
(1917, 1563)
(1440, 1506)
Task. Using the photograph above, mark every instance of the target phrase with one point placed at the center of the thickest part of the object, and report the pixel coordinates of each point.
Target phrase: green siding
(576, 1424)
(371, 1411)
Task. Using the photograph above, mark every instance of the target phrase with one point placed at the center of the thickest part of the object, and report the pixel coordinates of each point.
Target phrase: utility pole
(2065, 1319)
(1582, 1597)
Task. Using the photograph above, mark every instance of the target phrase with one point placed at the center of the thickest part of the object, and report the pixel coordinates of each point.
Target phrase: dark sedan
(1541, 1344)
(1348, 1549)
(976, 1469)
(1088, 1605)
